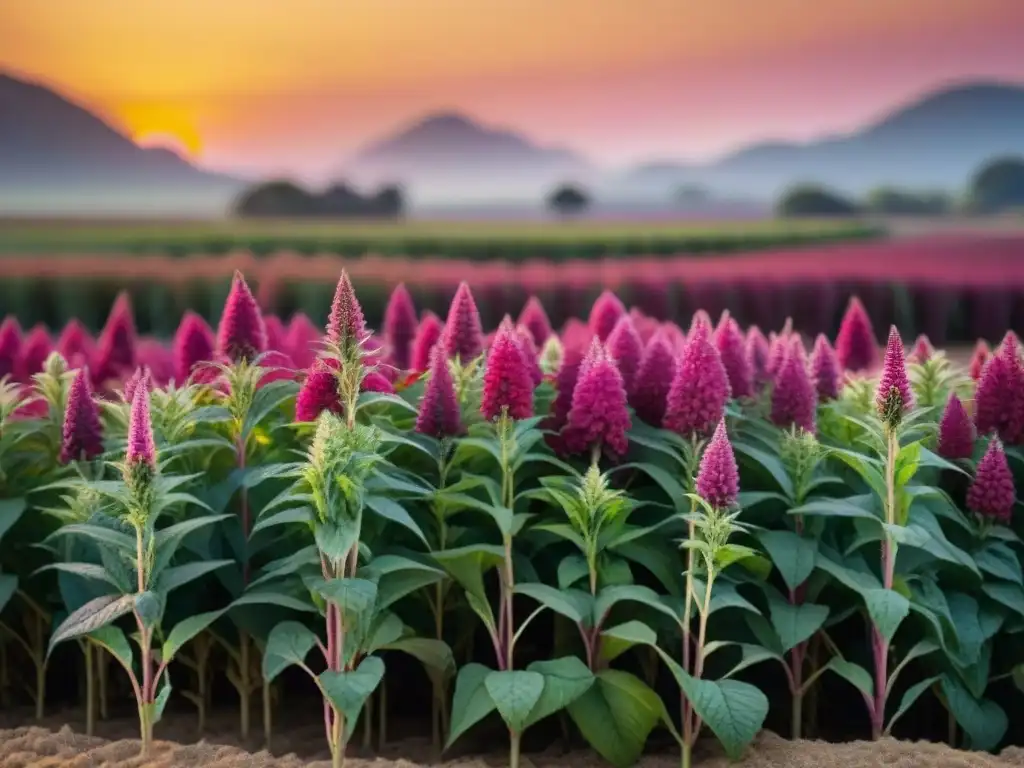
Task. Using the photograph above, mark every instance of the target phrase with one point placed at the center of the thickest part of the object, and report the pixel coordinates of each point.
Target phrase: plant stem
(90, 690)
(687, 760)
(382, 715)
(684, 703)
(368, 722)
(40, 663)
(102, 665)
(268, 715)
(797, 715)
(244, 683)
(513, 752)
(879, 644)
(5, 674)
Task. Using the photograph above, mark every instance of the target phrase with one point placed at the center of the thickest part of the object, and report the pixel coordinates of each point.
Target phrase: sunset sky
(296, 85)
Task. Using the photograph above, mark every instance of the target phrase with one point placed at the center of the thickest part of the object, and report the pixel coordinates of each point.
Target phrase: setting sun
(167, 140)
(151, 125)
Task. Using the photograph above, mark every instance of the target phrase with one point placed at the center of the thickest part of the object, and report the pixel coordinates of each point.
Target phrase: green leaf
(672, 488)
(854, 674)
(351, 596)
(284, 517)
(471, 702)
(998, 560)
(160, 702)
(113, 641)
(769, 463)
(515, 692)
(185, 630)
(912, 694)
(502, 516)
(270, 597)
(467, 566)
(834, 508)
(1008, 594)
(565, 680)
(288, 644)
(401, 576)
(268, 398)
(793, 555)
(85, 570)
(733, 710)
(150, 608)
(391, 510)
(559, 601)
(95, 614)
(618, 639)
(429, 651)
(869, 469)
(348, 691)
(120, 542)
(984, 722)
(335, 539)
(796, 623)
(887, 609)
(8, 586)
(609, 596)
(11, 511)
(616, 714)
(179, 575)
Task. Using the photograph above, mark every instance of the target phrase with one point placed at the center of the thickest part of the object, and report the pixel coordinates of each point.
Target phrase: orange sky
(295, 85)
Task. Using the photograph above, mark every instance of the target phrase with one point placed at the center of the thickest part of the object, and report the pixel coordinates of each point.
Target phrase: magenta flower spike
(654, 380)
(439, 414)
(115, 352)
(536, 320)
(999, 397)
(530, 354)
(700, 319)
(400, 324)
(778, 349)
(732, 348)
(718, 480)
(991, 495)
(565, 384)
(10, 347)
(140, 378)
(625, 349)
(956, 431)
(794, 399)
(275, 333)
(318, 393)
(605, 314)
(598, 418)
(193, 345)
(346, 326)
(75, 343)
(375, 381)
(141, 447)
(463, 335)
(427, 336)
(856, 347)
(35, 348)
(700, 389)
(894, 396)
(82, 433)
(923, 351)
(302, 341)
(507, 381)
(758, 352)
(981, 355)
(157, 358)
(825, 369)
(241, 334)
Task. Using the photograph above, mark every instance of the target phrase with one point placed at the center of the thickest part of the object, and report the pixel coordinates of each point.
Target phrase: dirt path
(40, 748)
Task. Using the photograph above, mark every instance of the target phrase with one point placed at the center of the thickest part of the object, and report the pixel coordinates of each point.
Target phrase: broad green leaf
(467, 566)
(121, 542)
(284, 517)
(515, 692)
(616, 714)
(85, 570)
(502, 516)
(348, 691)
(854, 674)
(984, 722)
(11, 511)
(391, 510)
(335, 539)
(733, 710)
(431, 652)
(386, 628)
(1008, 594)
(796, 624)
(288, 644)
(150, 608)
(834, 508)
(870, 470)
(160, 702)
(887, 608)
(185, 630)
(672, 488)
(471, 702)
(565, 680)
(179, 575)
(607, 598)
(912, 694)
(770, 463)
(271, 597)
(393, 585)
(998, 560)
(8, 586)
(351, 596)
(618, 639)
(95, 614)
(569, 603)
(268, 398)
(750, 655)
(793, 555)
(113, 641)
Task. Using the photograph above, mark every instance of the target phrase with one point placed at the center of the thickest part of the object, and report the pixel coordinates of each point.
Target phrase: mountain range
(58, 156)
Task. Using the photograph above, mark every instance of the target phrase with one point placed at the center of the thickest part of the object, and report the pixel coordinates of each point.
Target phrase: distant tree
(284, 199)
(892, 201)
(276, 198)
(998, 186)
(692, 194)
(568, 200)
(814, 200)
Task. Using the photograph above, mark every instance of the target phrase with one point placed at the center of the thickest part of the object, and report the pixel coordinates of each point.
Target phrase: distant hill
(56, 156)
(937, 141)
(449, 156)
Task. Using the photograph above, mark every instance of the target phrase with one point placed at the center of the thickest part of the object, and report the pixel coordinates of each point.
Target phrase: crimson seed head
(530, 355)
(241, 334)
(700, 319)
(193, 345)
(439, 414)
(74, 342)
(794, 399)
(999, 397)
(400, 326)
(605, 314)
(302, 340)
(375, 381)
(35, 348)
(626, 349)
(115, 349)
(856, 347)
(778, 348)
(653, 380)
(992, 494)
(427, 336)
(923, 350)
(319, 393)
(275, 333)
(732, 348)
(10, 347)
(140, 378)
(700, 389)
(825, 369)
(82, 435)
(598, 417)
(536, 320)
(718, 480)
(956, 432)
(894, 395)
(141, 448)
(757, 352)
(346, 326)
(645, 326)
(982, 353)
(463, 334)
(565, 383)
(507, 381)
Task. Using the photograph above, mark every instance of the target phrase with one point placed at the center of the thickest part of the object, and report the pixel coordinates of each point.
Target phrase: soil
(37, 747)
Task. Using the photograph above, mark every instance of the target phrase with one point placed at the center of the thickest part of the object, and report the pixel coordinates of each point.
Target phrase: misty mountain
(450, 156)
(56, 156)
(938, 141)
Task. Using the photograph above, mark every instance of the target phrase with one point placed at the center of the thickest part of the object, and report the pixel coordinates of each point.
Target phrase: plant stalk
(90, 689)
